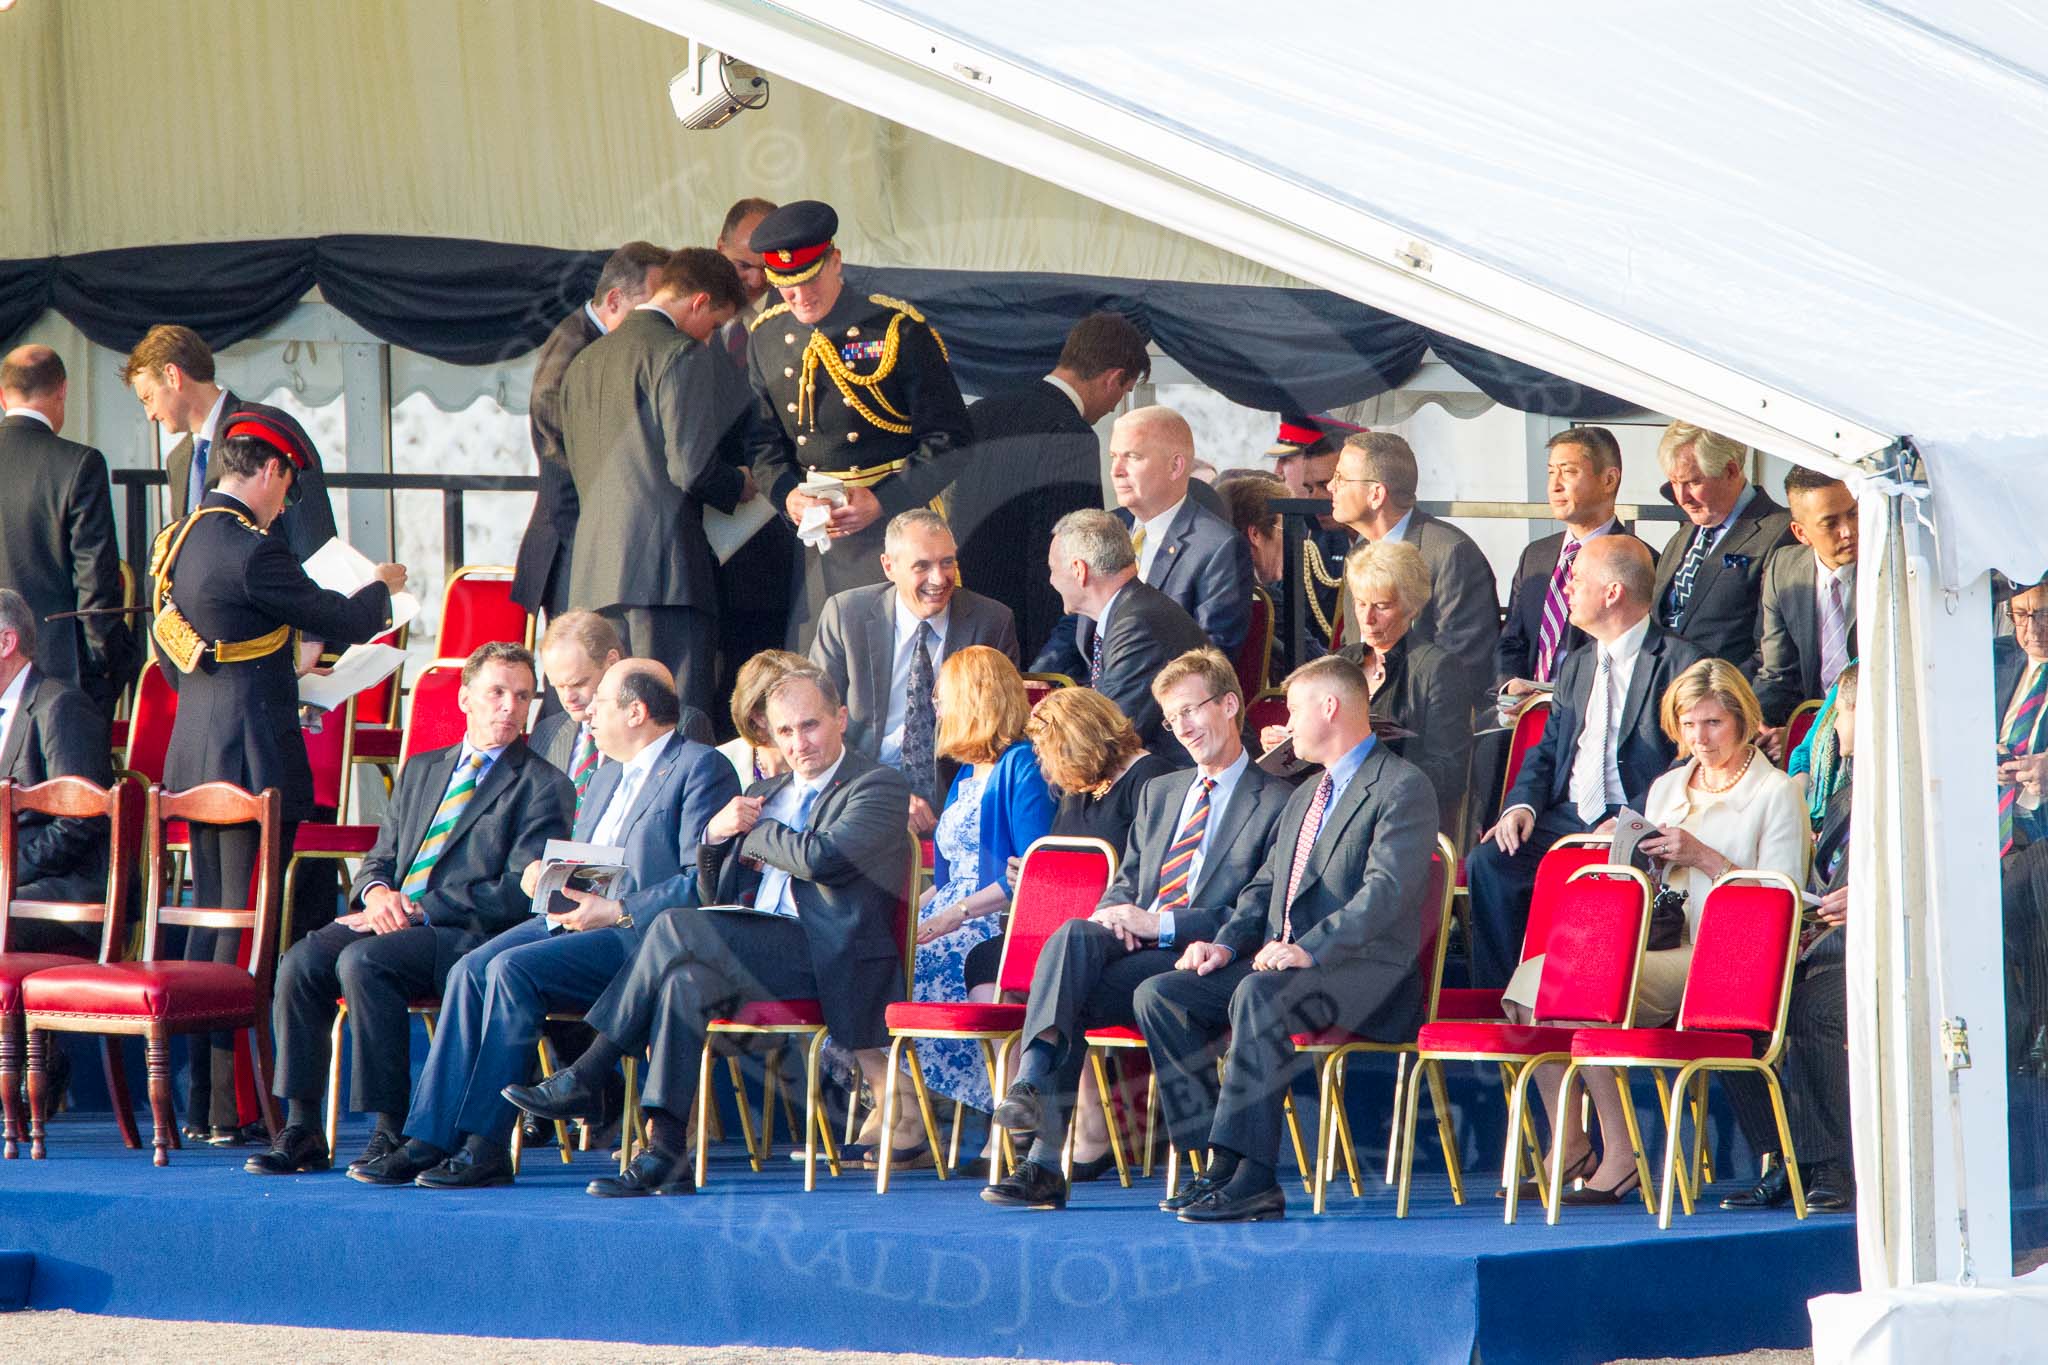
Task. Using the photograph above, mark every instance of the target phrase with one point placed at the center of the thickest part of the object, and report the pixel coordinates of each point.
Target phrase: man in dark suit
(48, 729)
(1583, 477)
(1325, 935)
(228, 597)
(1809, 602)
(1373, 493)
(576, 651)
(652, 419)
(540, 574)
(1711, 573)
(869, 639)
(652, 799)
(443, 877)
(1605, 744)
(57, 545)
(801, 879)
(1129, 629)
(1037, 458)
(1198, 837)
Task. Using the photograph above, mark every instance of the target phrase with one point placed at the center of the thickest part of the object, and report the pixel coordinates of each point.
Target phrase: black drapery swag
(475, 303)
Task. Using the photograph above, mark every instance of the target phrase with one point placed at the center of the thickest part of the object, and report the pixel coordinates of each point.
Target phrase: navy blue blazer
(1206, 567)
(691, 782)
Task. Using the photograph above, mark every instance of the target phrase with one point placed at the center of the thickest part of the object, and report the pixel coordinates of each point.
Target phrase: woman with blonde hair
(753, 755)
(1723, 808)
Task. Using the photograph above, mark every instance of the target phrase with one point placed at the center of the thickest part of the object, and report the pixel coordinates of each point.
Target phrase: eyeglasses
(1180, 719)
(2021, 620)
(1336, 479)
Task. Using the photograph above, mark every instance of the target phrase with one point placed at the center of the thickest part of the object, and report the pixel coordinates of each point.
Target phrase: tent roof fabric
(1835, 200)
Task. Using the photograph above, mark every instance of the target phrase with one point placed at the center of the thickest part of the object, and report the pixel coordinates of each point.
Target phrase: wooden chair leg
(1408, 1107)
(38, 1092)
(705, 1071)
(160, 1109)
(1447, 1138)
(116, 1067)
(11, 1049)
(547, 1068)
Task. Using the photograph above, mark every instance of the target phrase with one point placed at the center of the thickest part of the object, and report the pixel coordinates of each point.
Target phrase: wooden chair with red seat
(1061, 878)
(1739, 985)
(1254, 659)
(782, 1021)
(72, 798)
(1265, 709)
(1798, 723)
(156, 997)
(477, 608)
(1594, 958)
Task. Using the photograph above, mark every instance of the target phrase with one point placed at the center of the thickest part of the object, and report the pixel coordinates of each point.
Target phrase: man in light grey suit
(1325, 936)
(1198, 837)
(1809, 602)
(868, 641)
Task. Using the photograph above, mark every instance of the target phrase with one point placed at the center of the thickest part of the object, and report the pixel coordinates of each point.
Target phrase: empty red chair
(1738, 985)
(158, 998)
(1557, 867)
(77, 799)
(477, 609)
(377, 732)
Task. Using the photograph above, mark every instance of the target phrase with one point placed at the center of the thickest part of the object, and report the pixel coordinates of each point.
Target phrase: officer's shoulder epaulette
(908, 310)
(766, 313)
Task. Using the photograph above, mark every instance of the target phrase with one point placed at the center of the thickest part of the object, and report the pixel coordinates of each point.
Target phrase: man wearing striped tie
(1198, 837)
(444, 876)
(1809, 603)
(1583, 478)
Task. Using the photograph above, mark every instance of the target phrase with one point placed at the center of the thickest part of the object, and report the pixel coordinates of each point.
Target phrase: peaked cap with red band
(795, 241)
(1310, 435)
(273, 434)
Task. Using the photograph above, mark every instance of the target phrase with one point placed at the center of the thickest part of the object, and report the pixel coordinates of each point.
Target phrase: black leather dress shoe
(469, 1169)
(1774, 1189)
(1197, 1188)
(1022, 1110)
(652, 1172)
(1218, 1206)
(560, 1097)
(298, 1149)
(1030, 1186)
(399, 1166)
(381, 1145)
(1831, 1190)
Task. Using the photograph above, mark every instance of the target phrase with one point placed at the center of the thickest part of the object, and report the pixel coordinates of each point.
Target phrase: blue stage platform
(929, 1267)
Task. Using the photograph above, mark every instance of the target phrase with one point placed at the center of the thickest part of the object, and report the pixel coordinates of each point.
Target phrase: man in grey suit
(1198, 837)
(49, 729)
(802, 880)
(443, 877)
(1324, 936)
(1373, 493)
(1710, 576)
(869, 641)
(652, 420)
(652, 799)
(1809, 602)
(57, 545)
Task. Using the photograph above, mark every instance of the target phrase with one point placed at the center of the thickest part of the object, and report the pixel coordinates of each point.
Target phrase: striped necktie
(1176, 875)
(443, 824)
(2019, 738)
(1680, 592)
(582, 763)
(1554, 617)
(1304, 844)
(1834, 633)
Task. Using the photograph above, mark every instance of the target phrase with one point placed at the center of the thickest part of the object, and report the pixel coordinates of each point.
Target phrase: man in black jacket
(1605, 744)
(48, 729)
(1037, 458)
(1710, 576)
(1808, 602)
(540, 574)
(652, 424)
(57, 545)
(443, 877)
(1582, 479)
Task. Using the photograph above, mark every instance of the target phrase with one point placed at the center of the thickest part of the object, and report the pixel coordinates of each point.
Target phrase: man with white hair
(1710, 576)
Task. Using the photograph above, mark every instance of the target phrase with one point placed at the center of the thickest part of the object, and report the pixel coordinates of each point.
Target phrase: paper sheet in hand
(340, 567)
(566, 865)
(824, 486)
(727, 532)
(360, 666)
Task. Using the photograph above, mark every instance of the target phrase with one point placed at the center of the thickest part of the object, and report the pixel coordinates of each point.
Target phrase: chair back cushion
(375, 705)
(149, 724)
(326, 750)
(1436, 913)
(476, 609)
(1529, 728)
(1738, 960)
(435, 718)
(1596, 934)
(1552, 873)
(1061, 879)
(1257, 648)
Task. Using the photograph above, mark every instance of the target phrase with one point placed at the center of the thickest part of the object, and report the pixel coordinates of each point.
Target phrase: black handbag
(1667, 920)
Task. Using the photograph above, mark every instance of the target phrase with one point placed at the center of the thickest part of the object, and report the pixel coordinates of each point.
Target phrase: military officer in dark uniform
(1304, 456)
(231, 601)
(854, 386)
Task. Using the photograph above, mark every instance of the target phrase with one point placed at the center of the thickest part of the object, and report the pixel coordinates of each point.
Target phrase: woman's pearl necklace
(1712, 790)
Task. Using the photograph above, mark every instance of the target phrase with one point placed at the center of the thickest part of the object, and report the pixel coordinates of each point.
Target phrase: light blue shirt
(1398, 532)
(774, 894)
(631, 782)
(1345, 769)
(1219, 798)
(596, 321)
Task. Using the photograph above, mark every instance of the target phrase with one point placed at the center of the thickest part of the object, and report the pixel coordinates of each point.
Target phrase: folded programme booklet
(359, 667)
(726, 532)
(566, 865)
(340, 567)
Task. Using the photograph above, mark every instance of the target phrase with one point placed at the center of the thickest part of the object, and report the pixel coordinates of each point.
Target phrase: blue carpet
(755, 1261)
(17, 1269)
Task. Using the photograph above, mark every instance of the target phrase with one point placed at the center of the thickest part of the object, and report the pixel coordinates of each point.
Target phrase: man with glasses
(2019, 673)
(1197, 838)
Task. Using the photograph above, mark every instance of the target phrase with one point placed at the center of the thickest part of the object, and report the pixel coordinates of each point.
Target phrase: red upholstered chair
(149, 725)
(1332, 1047)
(1061, 879)
(1557, 867)
(378, 733)
(781, 1021)
(1738, 985)
(477, 608)
(1530, 721)
(1039, 686)
(1594, 957)
(157, 998)
(1798, 723)
(1254, 659)
(66, 798)
(1264, 709)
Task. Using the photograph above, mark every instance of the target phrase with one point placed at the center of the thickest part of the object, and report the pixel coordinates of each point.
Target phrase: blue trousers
(497, 997)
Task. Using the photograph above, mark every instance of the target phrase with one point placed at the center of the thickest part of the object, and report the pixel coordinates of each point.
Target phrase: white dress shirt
(613, 822)
(774, 894)
(903, 633)
(1155, 537)
(28, 412)
(1073, 394)
(10, 706)
(1219, 797)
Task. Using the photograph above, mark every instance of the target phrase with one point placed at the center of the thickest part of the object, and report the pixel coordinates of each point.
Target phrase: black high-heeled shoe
(1587, 1163)
(1593, 1194)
